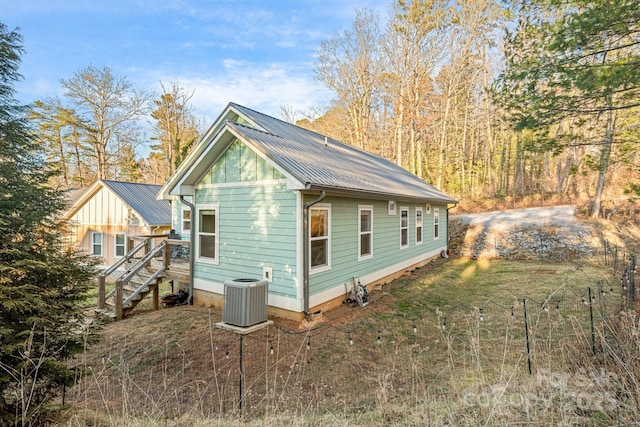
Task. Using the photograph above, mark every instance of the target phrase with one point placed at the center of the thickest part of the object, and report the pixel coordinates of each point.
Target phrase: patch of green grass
(455, 351)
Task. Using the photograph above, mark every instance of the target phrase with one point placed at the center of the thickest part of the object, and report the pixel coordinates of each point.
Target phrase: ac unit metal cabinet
(245, 302)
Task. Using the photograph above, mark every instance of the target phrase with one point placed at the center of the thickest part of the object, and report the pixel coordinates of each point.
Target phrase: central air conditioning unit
(245, 302)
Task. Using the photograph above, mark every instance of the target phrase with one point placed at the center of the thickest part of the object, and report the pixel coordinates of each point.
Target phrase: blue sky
(256, 53)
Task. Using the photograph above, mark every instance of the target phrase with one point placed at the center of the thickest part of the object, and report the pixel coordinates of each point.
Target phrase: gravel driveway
(536, 233)
(506, 220)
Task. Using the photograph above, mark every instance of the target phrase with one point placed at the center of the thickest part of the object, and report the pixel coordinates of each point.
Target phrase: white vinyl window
(365, 232)
(120, 245)
(418, 226)
(186, 223)
(404, 227)
(96, 244)
(436, 223)
(320, 237)
(207, 239)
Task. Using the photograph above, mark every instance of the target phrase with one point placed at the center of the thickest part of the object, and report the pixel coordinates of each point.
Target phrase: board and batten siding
(388, 257)
(104, 213)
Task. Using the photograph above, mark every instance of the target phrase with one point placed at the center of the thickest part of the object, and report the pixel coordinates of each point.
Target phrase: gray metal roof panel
(327, 163)
(142, 199)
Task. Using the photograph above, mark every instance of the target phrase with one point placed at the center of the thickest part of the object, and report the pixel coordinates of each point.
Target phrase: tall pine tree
(577, 61)
(42, 285)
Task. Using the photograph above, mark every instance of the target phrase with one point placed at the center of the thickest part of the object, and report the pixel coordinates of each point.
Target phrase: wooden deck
(140, 272)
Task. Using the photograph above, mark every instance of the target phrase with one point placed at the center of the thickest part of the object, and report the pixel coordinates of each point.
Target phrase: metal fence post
(593, 333)
(526, 333)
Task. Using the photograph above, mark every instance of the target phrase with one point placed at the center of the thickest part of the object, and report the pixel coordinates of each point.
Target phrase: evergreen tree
(573, 61)
(41, 284)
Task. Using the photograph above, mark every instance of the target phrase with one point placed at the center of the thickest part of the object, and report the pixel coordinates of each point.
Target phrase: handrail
(142, 263)
(127, 275)
(146, 283)
(103, 277)
(125, 258)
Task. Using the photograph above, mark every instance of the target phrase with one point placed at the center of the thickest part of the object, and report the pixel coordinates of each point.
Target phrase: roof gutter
(305, 251)
(192, 237)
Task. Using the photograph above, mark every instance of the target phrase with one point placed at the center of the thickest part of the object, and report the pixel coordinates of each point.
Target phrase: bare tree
(109, 106)
(176, 127)
(349, 64)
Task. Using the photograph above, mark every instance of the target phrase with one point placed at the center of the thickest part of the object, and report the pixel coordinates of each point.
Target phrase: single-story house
(104, 216)
(265, 199)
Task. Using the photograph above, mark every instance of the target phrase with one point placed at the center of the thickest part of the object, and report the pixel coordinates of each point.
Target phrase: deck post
(156, 294)
(101, 290)
(118, 300)
(167, 254)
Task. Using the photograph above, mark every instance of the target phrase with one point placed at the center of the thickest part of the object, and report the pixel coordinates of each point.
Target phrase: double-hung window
(186, 223)
(208, 239)
(404, 227)
(365, 242)
(119, 244)
(418, 226)
(436, 223)
(96, 244)
(320, 237)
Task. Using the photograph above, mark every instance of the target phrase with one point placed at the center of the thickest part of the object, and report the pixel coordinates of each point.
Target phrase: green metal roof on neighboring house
(315, 161)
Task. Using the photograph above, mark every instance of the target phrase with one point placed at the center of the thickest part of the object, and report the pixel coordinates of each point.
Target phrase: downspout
(192, 252)
(454, 205)
(305, 251)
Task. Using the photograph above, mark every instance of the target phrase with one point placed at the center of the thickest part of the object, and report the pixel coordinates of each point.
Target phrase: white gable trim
(203, 146)
(211, 153)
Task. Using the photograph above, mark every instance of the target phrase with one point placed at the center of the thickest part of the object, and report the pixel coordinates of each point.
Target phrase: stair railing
(129, 274)
(103, 277)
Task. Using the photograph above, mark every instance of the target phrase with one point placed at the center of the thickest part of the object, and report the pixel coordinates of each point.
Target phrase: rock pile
(541, 240)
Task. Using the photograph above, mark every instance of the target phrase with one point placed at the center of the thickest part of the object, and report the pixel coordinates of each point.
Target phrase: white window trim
(94, 233)
(195, 222)
(419, 242)
(360, 233)
(115, 245)
(436, 221)
(182, 230)
(403, 209)
(319, 269)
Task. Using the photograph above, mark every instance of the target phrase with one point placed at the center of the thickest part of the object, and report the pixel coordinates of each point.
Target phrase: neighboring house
(305, 212)
(104, 216)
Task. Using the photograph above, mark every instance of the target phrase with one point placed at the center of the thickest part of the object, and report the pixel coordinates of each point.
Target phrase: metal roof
(326, 164)
(142, 199)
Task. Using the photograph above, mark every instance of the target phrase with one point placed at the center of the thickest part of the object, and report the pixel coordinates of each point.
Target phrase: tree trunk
(604, 162)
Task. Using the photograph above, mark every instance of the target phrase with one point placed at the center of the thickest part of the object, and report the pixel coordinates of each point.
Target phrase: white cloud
(262, 87)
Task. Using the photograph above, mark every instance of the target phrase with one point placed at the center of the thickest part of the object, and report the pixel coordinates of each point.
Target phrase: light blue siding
(257, 221)
(386, 240)
(256, 229)
(176, 217)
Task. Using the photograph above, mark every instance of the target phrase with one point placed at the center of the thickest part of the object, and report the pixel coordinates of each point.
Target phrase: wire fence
(354, 365)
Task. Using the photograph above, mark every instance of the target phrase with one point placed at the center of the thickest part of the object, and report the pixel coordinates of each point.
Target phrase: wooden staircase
(142, 276)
